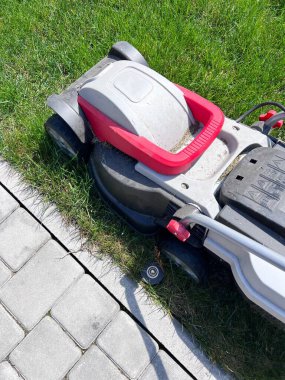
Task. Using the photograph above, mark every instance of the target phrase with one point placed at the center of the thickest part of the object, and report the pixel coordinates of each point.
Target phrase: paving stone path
(57, 322)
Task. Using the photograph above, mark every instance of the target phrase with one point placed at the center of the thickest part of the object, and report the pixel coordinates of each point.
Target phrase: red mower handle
(143, 150)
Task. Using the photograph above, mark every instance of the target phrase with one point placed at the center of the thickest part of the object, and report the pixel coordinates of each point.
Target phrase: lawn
(229, 51)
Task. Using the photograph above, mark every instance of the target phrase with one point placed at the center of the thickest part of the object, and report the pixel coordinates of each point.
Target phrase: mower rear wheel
(188, 258)
(124, 50)
(63, 136)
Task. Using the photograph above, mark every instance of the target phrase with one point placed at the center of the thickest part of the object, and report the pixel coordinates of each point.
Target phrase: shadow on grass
(232, 332)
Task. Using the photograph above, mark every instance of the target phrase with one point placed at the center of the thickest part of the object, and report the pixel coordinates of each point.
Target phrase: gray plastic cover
(142, 101)
(257, 186)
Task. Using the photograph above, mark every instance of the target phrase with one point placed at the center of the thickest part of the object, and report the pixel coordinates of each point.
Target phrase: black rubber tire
(152, 273)
(124, 50)
(63, 136)
(188, 258)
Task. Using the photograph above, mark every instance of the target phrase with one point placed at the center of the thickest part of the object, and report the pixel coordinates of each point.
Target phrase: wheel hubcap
(152, 272)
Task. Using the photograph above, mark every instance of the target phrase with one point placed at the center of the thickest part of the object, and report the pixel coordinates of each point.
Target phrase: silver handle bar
(236, 237)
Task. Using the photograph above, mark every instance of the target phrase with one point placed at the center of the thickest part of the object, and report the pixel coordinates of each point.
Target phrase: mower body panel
(141, 101)
(200, 183)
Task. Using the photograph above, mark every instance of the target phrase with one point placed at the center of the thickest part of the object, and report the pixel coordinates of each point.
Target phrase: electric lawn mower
(167, 159)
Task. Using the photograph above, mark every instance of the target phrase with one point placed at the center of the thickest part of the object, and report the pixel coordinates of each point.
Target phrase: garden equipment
(171, 164)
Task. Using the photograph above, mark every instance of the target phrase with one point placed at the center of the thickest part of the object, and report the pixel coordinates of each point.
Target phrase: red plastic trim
(268, 115)
(151, 155)
(178, 230)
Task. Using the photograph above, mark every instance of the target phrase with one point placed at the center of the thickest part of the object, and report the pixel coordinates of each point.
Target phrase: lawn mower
(172, 165)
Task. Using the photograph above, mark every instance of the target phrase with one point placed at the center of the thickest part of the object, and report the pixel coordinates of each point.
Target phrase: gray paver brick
(7, 372)
(85, 310)
(20, 237)
(46, 353)
(10, 333)
(163, 367)
(8, 204)
(128, 345)
(32, 291)
(95, 364)
(5, 273)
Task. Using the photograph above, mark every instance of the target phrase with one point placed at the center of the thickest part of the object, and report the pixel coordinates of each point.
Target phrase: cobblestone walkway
(57, 322)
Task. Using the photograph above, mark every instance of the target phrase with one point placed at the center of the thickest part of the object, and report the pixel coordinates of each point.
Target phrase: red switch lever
(268, 115)
(178, 230)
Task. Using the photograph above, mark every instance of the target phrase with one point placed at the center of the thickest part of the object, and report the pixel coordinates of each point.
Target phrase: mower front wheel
(188, 258)
(64, 137)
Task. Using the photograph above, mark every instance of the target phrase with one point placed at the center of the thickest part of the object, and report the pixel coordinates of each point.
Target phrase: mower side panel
(67, 107)
(135, 198)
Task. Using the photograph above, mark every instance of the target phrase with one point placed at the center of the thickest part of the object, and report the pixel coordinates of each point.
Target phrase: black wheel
(63, 136)
(124, 50)
(152, 274)
(189, 258)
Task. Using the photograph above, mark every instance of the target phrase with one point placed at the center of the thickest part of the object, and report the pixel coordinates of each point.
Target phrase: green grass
(229, 51)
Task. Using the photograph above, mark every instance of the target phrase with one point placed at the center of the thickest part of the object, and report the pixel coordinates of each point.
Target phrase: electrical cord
(269, 103)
